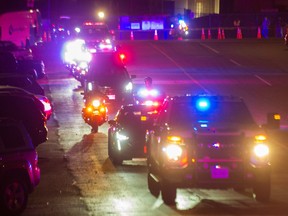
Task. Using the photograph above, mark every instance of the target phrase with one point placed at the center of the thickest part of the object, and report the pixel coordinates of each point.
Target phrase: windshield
(94, 33)
(220, 112)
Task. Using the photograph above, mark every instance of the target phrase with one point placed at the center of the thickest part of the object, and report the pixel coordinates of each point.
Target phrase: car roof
(25, 82)
(15, 90)
(139, 108)
(210, 96)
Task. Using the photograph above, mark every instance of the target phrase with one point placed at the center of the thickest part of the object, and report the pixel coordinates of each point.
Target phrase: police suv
(207, 141)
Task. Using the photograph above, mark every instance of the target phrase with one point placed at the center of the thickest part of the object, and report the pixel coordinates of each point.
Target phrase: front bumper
(214, 176)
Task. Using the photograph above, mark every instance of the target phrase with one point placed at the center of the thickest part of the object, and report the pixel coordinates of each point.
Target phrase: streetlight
(101, 14)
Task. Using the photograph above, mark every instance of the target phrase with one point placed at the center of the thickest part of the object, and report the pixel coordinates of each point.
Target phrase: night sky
(88, 8)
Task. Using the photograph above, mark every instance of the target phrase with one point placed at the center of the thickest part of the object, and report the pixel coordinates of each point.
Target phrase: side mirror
(112, 122)
(273, 121)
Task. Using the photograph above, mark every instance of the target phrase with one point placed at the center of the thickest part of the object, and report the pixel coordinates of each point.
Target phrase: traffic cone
(223, 34)
(219, 34)
(259, 36)
(44, 37)
(209, 34)
(155, 35)
(131, 36)
(239, 33)
(203, 34)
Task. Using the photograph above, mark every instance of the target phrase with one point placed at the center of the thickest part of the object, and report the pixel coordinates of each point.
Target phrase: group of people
(281, 29)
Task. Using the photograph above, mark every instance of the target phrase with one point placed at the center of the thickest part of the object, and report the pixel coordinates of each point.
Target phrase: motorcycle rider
(95, 100)
(148, 82)
(149, 94)
(94, 92)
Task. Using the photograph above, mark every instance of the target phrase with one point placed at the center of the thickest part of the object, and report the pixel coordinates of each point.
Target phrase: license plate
(111, 97)
(219, 172)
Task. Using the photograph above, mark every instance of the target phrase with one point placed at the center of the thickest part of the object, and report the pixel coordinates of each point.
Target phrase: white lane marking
(181, 68)
(210, 48)
(234, 62)
(263, 80)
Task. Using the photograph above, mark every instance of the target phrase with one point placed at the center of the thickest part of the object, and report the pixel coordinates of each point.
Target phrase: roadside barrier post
(203, 34)
(259, 36)
(209, 34)
(223, 34)
(155, 35)
(219, 34)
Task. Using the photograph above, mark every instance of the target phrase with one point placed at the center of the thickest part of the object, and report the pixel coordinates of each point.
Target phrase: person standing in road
(265, 27)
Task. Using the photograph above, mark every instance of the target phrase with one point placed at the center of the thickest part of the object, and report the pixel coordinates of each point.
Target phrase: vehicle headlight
(129, 86)
(83, 65)
(121, 137)
(173, 152)
(261, 150)
(147, 93)
(96, 103)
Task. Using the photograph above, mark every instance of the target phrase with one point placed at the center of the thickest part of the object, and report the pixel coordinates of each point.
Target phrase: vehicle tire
(153, 186)
(262, 189)
(115, 159)
(109, 144)
(168, 192)
(13, 195)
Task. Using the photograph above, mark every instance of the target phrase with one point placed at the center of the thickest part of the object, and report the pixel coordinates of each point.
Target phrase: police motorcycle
(76, 58)
(149, 95)
(95, 110)
(179, 29)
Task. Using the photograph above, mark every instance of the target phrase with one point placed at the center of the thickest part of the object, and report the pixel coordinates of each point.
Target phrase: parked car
(19, 170)
(22, 81)
(29, 84)
(22, 105)
(9, 63)
(127, 132)
(207, 141)
(18, 52)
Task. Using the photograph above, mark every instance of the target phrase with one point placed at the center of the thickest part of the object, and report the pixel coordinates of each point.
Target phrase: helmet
(148, 81)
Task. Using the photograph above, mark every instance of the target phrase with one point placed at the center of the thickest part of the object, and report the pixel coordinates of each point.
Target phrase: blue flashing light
(202, 104)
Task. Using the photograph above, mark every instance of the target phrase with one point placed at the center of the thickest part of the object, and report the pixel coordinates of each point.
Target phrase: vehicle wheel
(168, 192)
(262, 189)
(153, 186)
(109, 144)
(13, 195)
(116, 159)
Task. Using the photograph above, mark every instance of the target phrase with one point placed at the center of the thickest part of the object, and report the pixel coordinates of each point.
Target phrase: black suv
(108, 72)
(207, 142)
(127, 132)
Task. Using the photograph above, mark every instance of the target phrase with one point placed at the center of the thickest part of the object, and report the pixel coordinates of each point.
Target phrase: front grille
(220, 146)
